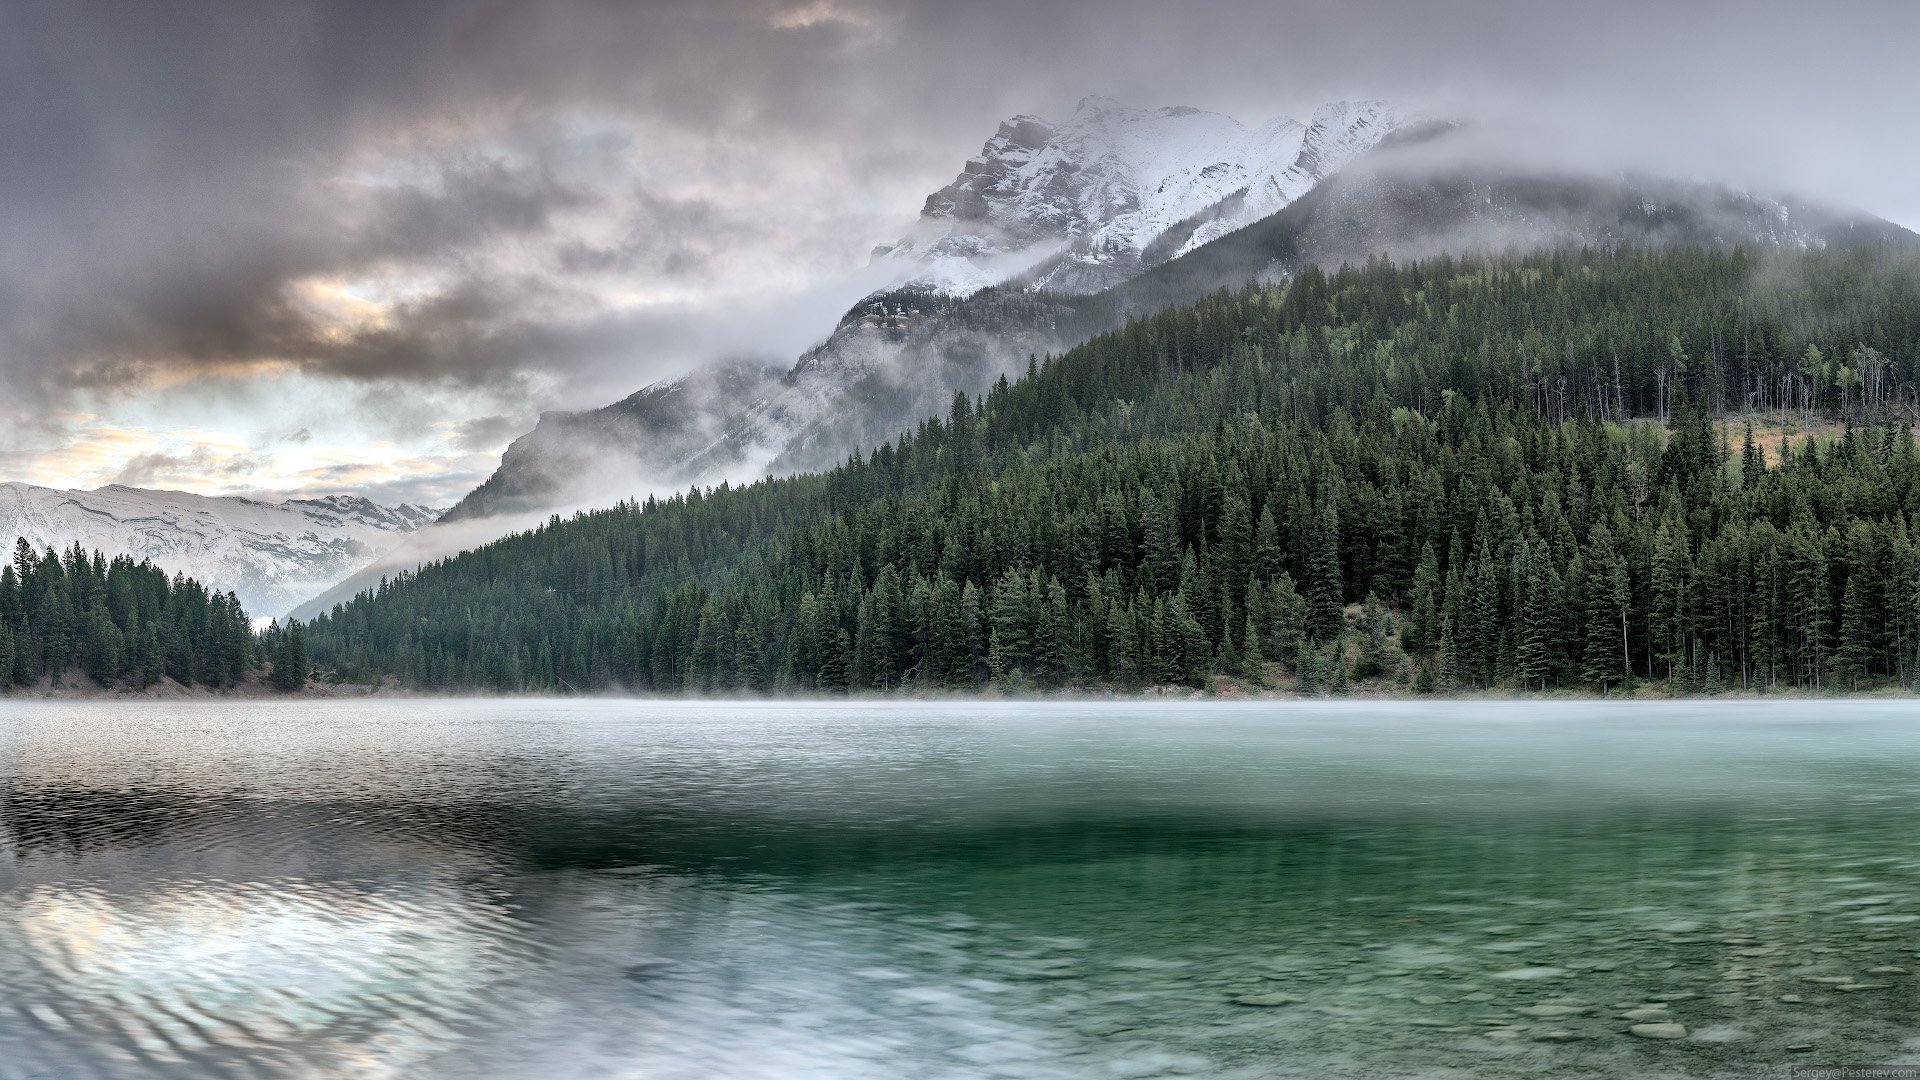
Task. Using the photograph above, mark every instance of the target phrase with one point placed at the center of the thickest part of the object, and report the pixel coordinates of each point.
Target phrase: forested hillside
(122, 621)
(1471, 473)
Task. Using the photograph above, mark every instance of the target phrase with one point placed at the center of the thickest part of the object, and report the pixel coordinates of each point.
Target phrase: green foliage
(116, 622)
(285, 647)
(1515, 458)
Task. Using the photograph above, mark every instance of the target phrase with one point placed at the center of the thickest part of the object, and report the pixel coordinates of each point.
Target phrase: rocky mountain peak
(1101, 194)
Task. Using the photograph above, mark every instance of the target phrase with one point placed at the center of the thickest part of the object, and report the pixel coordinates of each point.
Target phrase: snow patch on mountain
(1082, 205)
(273, 555)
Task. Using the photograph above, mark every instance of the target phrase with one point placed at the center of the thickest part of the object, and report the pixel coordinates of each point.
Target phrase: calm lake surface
(635, 889)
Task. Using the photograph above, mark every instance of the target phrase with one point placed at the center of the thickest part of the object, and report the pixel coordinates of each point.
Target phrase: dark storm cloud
(552, 184)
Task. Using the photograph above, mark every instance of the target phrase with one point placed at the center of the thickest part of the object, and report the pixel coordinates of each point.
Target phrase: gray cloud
(486, 432)
(148, 470)
(567, 198)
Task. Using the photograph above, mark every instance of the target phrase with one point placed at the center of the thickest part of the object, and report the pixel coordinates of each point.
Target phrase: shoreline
(256, 689)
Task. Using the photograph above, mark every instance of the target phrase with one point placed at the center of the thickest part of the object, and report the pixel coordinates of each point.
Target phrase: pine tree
(833, 665)
(290, 657)
(1268, 560)
(1810, 603)
(1233, 559)
(1306, 671)
(973, 617)
(951, 652)
(1604, 611)
(1374, 627)
(1286, 618)
(1419, 635)
(1481, 625)
(1850, 660)
(1753, 460)
(1122, 659)
(1007, 654)
(1253, 665)
(1532, 661)
(1188, 654)
(1326, 608)
(1672, 606)
(1161, 546)
(748, 673)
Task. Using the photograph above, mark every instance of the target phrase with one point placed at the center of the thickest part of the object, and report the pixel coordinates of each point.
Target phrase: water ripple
(594, 889)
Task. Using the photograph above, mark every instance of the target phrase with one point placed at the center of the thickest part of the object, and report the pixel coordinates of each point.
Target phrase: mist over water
(561, 889)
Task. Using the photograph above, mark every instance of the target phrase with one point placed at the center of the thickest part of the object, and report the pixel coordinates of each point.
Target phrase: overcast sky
(315, 247)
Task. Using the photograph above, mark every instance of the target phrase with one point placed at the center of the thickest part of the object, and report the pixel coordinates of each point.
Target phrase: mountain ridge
(1091, 195)
(273, 555)
(1423, 188)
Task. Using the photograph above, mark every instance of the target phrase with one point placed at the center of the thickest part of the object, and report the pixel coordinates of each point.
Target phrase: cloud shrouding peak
(412, 225)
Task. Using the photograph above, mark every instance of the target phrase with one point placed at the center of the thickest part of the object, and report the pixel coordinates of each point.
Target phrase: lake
(531, 888)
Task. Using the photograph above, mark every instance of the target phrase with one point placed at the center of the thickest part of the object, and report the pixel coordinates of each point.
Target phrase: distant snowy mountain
(273, 555)
(1083, 205)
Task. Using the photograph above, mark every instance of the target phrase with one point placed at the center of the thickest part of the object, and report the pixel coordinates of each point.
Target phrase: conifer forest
(1681, 470)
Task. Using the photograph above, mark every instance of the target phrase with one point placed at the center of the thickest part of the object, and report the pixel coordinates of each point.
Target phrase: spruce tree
(290, 658)
(1326, 607)
(1672, 605)
(1253, 665)
(1374, 627)
(1306, 670)
(1604, 611)
(1007, 652)
(1268, 560)
(1532, 660)
(1161, 546)
(1233, 559)
(1420, 633)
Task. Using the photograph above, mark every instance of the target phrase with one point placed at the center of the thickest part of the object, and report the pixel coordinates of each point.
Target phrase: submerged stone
(1659, 1031)
(1530, 973)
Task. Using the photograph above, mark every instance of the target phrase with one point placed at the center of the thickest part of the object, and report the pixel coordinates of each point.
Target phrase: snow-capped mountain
(1114, 213)
(273, 555)
(1082, 205)
(1054, 210)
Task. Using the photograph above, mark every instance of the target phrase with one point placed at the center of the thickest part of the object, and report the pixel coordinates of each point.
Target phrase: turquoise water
(637, 889)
